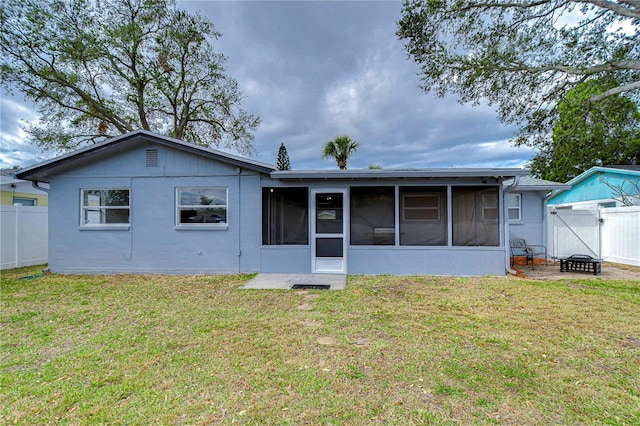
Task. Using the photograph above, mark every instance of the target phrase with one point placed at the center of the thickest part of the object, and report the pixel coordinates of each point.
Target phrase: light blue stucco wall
(593, 187)
(531, 225)
(153, 243)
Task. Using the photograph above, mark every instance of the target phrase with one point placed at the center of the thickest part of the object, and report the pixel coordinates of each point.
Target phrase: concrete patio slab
(286, 281)
(610, 271)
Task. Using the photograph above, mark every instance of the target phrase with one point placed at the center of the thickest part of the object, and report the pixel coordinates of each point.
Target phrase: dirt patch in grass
(395, 350)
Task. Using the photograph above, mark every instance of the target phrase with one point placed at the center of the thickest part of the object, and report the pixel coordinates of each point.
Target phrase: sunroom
(436, 221)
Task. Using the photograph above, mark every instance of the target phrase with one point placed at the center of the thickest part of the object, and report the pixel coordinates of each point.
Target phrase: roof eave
(397, 174)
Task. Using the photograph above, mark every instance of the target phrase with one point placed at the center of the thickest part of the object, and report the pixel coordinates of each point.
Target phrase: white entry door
(328, 233)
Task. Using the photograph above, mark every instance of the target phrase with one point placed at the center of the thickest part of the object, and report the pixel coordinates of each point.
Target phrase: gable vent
(151, 157)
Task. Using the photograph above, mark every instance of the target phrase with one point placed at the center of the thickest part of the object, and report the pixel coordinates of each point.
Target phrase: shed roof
(625, 167)
(633, 171)
(41, 171)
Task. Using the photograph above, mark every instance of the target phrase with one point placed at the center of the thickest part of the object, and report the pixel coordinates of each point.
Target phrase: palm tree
(340, 148)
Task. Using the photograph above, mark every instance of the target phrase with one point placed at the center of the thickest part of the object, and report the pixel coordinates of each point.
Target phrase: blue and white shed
(600, 187)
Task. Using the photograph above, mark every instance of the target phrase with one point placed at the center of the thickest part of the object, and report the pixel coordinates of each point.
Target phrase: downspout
(505, 214)
(239, 170)
(34, 184)
(39, 188)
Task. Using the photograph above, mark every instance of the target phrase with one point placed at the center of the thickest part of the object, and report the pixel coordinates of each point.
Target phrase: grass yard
(387, 350)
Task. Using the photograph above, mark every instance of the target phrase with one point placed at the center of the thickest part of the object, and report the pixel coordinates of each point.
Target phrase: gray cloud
(316, 70)
(15, 148)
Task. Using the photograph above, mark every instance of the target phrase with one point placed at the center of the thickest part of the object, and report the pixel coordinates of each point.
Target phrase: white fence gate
(612, 234)
(23, 236)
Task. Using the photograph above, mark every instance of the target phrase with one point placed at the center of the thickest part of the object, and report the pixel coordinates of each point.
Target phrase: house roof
(398, 173)
(41, 171)
(529, 183)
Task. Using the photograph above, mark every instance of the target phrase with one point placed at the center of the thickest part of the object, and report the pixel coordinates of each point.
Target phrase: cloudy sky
(316, 70)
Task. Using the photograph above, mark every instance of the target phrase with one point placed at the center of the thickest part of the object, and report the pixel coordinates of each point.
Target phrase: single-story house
(17, 191)
(145, 203)
(595, 188)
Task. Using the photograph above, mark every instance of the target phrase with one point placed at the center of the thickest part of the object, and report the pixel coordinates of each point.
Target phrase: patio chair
(519, 247)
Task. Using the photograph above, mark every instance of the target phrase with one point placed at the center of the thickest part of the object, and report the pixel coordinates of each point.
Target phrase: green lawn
(387, 350)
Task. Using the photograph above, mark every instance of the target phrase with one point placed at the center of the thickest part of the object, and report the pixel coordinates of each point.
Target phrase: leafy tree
(590, 134)
(340, 149)
(627, 192)
(95, 69)
(283, 162)
(524, 55)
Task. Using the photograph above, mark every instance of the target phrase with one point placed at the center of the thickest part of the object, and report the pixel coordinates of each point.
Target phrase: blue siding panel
(442, 261)
(593, 187)
(286, 259)
(250, 212)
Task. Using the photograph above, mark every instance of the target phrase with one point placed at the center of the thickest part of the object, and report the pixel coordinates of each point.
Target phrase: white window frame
(486, 206)
(101, 208)
(518, 208)
(417, 195)
(23, 200)
(201, 225)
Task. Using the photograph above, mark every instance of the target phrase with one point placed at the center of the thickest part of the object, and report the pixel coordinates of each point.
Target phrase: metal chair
(519, 247)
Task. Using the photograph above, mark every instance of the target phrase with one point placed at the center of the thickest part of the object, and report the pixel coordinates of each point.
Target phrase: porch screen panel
(423, 216)
(373, 215)
(475, 216)
(285, 216)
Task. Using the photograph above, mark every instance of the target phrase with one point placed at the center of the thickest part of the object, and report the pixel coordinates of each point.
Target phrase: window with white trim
(31, 201)
(105, 207)
(514, 207)
(490, 207)
(201, 206)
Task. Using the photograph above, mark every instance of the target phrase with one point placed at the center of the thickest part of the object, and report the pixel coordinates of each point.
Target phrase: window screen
(285, 216)
(423, 216)
(373, 215)
(474, 213)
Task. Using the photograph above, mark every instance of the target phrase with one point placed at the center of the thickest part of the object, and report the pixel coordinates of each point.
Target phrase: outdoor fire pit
(581, 263)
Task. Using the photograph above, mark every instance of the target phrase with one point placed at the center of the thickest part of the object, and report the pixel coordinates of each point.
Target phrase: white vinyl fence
(24, 236)
(610, 233)
(621, 234)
